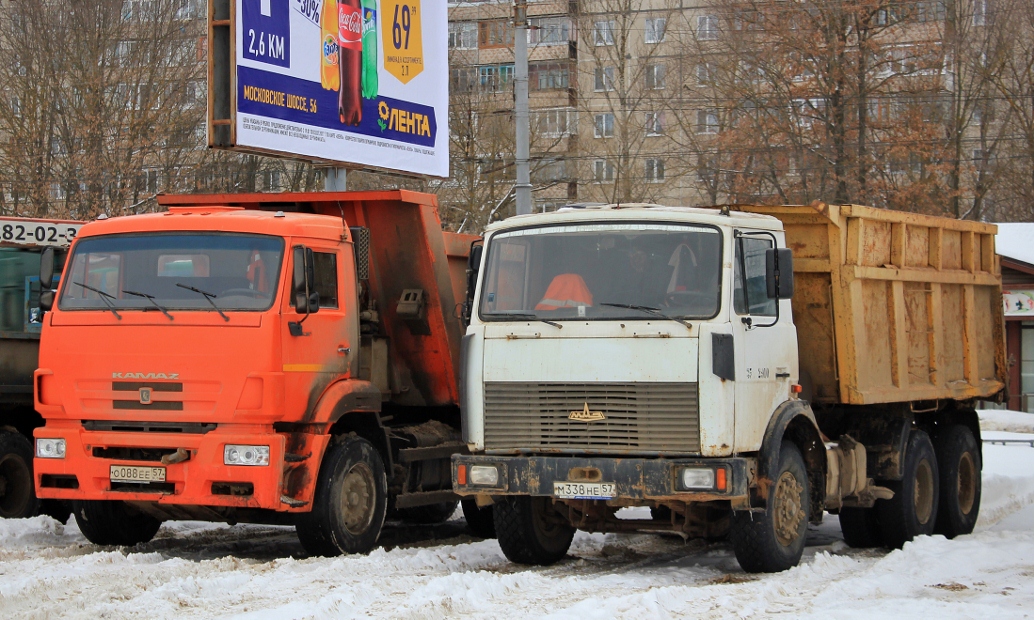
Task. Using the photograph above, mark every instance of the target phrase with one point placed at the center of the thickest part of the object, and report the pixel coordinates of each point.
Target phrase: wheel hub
(358, 493)
(788, 510)
(924, 492)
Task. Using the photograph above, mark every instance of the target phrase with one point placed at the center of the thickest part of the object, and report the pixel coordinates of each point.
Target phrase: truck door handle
(782, 375)
(343, 350)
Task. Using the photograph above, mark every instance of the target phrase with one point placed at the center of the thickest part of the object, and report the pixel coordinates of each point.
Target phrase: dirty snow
(209, 570)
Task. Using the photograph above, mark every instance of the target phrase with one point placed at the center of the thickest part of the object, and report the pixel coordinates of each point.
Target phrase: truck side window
(753, 259)
(325, 267)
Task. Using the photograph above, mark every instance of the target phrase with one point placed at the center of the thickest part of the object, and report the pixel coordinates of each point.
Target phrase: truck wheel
(350, 502)
(861, 527)
(531, 531)
(774, 540)
(113, 523)
(59, 509)
(958, 460)
(17, 486)
(432, 514)
(913, 509)
(480, 521)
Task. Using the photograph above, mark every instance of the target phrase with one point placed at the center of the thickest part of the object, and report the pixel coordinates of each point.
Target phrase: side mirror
(46, 279)
(779, 273)
(306, 299)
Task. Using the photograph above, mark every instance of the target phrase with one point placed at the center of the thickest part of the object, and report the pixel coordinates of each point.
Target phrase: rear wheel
(432, 514)
(861, 527)
(774, 540)
(959, 463)
(913, 509)
(480, 521)
(114, 523)
(531, 531)
(17, 487)
(350, 502)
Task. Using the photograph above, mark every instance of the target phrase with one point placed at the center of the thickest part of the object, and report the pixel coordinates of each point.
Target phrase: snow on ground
(206, 570)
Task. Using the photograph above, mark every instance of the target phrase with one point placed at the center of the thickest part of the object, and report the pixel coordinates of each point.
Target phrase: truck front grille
(637, 417)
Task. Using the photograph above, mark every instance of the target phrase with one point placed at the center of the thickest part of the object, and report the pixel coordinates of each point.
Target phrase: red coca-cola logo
(350, 24)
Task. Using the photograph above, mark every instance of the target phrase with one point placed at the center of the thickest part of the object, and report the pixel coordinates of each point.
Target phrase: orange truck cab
(284, 358)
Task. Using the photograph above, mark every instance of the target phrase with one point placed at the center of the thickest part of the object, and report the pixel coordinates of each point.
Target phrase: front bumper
(634, 479)
(202, 480)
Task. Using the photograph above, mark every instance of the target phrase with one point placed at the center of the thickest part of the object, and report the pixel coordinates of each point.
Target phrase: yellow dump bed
(893, 306)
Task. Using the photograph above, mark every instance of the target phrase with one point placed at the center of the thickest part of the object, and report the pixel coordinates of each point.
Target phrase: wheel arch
(353, 406)
(794, 421)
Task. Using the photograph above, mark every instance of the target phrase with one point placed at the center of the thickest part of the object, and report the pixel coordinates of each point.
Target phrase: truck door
(322, 352)
(765, 355)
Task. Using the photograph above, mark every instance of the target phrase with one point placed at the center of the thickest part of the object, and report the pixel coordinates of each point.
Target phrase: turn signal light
(461, 475)
(796, 389)
(719, 481)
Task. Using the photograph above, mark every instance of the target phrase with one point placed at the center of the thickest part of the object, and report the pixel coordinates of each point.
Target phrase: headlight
(697, 478)
(50, 448)
(245, 455)
(484, 476)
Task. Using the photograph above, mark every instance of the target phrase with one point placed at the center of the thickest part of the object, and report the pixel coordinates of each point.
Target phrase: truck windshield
(603, 271)
(239, 270)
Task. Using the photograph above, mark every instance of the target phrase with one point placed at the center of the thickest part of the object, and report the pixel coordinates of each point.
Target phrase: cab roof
(716, 216)
(222, 219)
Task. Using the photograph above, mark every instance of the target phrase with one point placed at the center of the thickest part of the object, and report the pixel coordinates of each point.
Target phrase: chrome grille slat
(651, 417)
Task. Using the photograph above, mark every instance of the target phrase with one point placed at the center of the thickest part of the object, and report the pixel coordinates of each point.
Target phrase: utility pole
(520, 91)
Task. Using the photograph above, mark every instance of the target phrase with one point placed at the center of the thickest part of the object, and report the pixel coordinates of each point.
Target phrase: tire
(861, 527)
(432, 514)
(773, 541)
(17, 486)
(531, 531)
(913, 509)
(959, 464)
(350, 502)
(480, 521)
(113, 523)
(59, 509)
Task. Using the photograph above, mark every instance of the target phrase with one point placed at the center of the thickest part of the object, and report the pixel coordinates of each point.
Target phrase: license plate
(584, 490)
(126, 473)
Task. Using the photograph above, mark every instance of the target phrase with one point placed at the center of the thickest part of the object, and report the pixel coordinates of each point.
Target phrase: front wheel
(113, 523)
(773, 541)
(913, 509)
(350, 502)
(958, 459)
(531, 531)
(17, 488)
(480, 521)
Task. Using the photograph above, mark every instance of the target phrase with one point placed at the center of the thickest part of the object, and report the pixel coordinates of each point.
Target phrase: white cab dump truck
(738, 370)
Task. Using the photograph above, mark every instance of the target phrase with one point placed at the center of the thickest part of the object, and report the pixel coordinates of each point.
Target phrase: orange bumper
(202, 480)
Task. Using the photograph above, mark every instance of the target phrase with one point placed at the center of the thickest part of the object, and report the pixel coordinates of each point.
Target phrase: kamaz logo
(144, 375)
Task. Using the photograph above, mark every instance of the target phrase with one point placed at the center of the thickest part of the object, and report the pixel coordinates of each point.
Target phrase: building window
(655, 77)
(495, 78)
(654, 170)
(707, 121)
(463, 35)
(462, 79)
(495, 33)
(655, 27)
(979, 12)
(555, 123)
(655, 123)
(551, 171)
(706, 73)
(602, 171)
(603, 79)
(707, 27)
(604, 125)
(603, 32)
(549, 75)
(549, 31)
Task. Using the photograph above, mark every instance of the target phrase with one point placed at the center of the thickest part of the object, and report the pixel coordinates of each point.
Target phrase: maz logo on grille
(587, 416)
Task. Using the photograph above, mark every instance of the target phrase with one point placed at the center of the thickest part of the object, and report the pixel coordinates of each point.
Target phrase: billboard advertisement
(362, 82)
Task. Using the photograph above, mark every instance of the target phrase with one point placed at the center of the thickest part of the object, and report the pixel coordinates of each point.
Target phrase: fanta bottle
(329, 76)
(369, 81)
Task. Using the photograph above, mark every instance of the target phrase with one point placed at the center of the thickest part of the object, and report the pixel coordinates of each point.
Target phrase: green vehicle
(21, 243)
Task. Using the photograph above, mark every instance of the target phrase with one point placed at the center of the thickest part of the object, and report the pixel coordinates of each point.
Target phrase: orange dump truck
(284, 358)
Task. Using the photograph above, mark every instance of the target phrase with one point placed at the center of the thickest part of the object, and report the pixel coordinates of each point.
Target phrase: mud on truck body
(737, 370)
(22, 241)
(284, 358)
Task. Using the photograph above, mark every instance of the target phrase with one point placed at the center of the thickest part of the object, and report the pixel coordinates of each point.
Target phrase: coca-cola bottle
(350, 43)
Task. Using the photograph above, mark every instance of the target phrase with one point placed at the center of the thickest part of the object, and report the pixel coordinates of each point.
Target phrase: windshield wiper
(649, 310)
(208, 296)
(525, 317)
(104, 297)
(150, 298)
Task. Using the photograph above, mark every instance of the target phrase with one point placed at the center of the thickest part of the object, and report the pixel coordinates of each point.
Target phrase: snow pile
(1006, 420)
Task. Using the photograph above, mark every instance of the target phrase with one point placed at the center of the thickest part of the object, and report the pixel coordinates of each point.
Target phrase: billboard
(359, 82)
